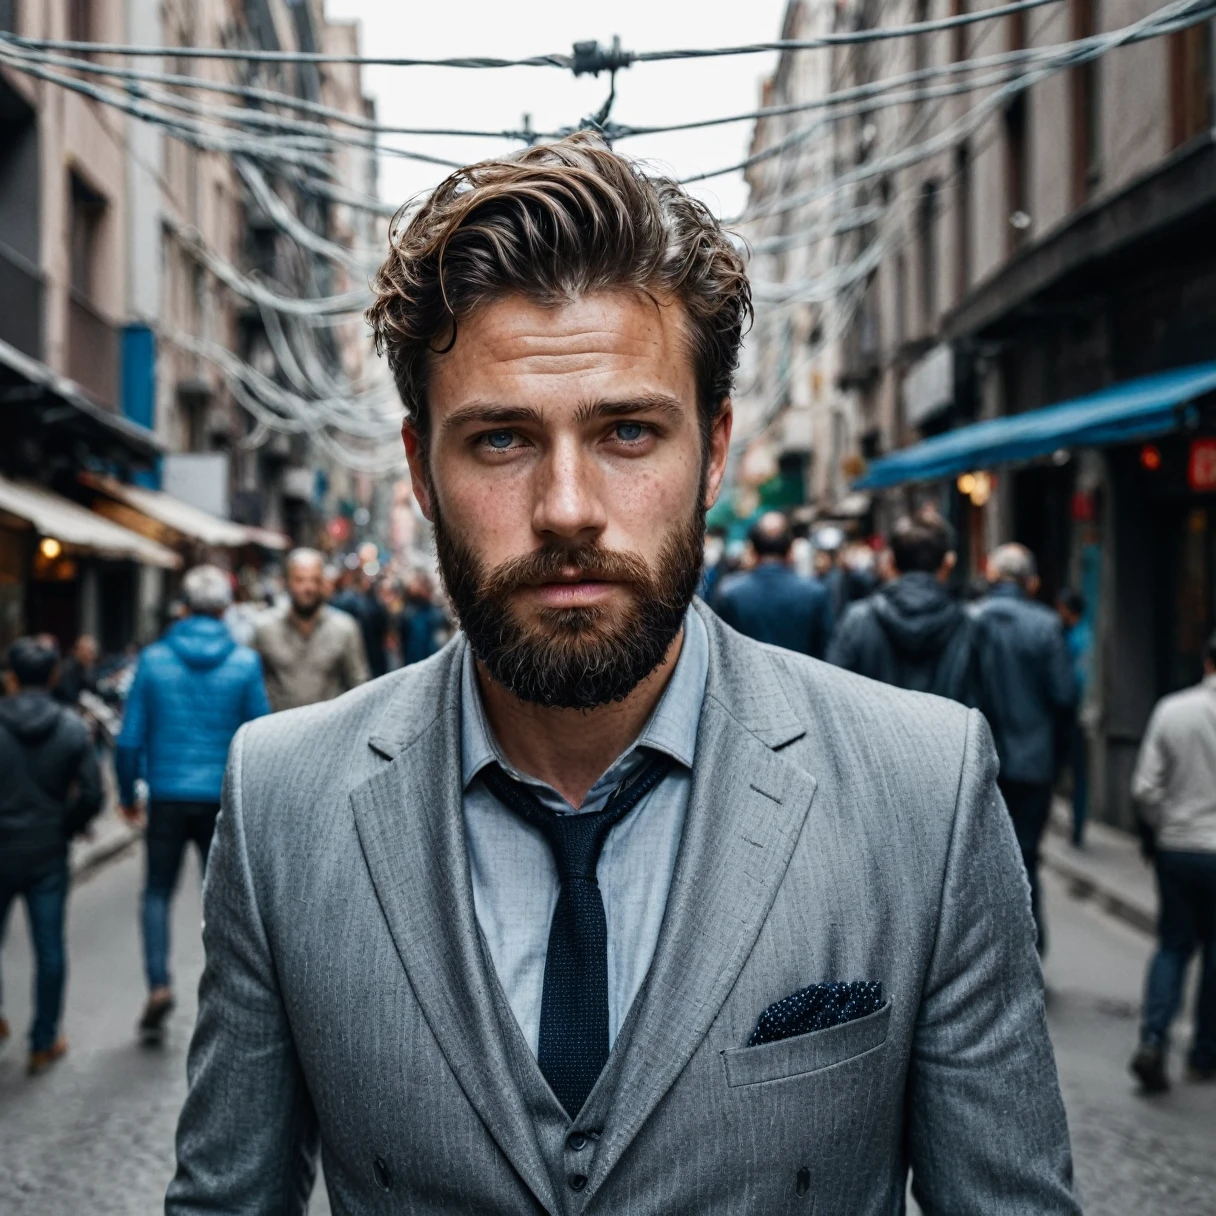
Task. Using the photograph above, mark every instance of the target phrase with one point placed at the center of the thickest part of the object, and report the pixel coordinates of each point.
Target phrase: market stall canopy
(54, 516)
(135, 507)
(1122, 413)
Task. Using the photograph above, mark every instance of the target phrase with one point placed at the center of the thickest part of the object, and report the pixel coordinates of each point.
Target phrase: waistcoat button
(578, 1181)
(576, 1142)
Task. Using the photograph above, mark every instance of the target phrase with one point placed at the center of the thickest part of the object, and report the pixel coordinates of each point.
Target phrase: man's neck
(305, 624)
(570, 749)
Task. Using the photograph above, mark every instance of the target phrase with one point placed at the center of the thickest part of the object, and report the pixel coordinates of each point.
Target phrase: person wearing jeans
(50, 787)
(1174, 784)
(193, 690)
(171, 827)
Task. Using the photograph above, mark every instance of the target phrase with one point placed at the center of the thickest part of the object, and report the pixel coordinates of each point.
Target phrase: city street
(96, 1134)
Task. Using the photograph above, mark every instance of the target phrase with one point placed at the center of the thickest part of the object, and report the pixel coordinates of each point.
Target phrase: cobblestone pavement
(96, 1134)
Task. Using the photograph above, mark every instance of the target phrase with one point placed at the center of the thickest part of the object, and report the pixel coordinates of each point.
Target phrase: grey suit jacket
(838, 829)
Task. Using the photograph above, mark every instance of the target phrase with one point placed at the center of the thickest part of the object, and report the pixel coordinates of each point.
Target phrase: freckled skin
(567, 424)
(567, 475)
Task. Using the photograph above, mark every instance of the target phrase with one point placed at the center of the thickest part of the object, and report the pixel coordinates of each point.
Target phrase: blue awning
(1124, 412)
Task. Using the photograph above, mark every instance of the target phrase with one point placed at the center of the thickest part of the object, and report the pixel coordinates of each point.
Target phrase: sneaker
(159, 1006)
(1148, 1064)
(40, 1061)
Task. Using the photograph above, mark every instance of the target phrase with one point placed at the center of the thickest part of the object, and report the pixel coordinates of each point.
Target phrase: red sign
(1201, 468)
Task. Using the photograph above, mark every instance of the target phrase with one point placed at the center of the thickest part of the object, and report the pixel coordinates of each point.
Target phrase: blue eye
(500, 440)
(630, 432)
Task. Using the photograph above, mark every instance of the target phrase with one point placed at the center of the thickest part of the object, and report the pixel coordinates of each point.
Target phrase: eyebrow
(492, 414)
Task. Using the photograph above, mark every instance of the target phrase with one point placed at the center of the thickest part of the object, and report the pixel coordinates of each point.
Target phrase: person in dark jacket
(78, 672)
(1027, 685)
(361, 601)
(420, 621)
(772, 602)
(193, 691)
(913, 633)
(51, 789)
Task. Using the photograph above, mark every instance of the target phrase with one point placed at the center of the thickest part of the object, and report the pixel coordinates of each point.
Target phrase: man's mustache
(554, 562)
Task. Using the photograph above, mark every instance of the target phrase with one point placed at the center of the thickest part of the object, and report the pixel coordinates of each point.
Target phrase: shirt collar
(671, 728)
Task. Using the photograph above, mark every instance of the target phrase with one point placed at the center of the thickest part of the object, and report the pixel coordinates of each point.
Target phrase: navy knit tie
(573, 1045)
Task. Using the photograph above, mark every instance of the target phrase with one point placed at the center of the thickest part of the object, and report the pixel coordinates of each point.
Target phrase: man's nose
(567, 495)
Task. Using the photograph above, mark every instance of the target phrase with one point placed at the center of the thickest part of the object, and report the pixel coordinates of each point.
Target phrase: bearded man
(605, 906)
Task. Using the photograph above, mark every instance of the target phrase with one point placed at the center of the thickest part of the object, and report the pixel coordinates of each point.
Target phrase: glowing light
(50, 548)
(1150, 457)
(966, 484)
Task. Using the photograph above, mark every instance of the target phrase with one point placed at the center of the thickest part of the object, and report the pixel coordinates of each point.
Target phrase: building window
(80, 21)
(88, 212)
(962, 219)
(1190, 82)
(927, 240)
(901, 299)
(1086, 142)
(958, 39)
(1017, 172)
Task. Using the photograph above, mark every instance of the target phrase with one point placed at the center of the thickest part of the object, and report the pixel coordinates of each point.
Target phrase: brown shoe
(6, 1030)
(159, 1006)
(40, 1061)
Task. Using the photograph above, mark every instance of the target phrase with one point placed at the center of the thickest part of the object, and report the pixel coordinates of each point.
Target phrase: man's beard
(573, 658)
(306, 611)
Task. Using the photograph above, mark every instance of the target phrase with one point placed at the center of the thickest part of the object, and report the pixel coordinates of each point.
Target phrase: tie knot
(577, 840)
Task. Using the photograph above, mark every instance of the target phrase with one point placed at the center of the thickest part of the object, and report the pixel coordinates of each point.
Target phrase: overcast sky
(497, 99)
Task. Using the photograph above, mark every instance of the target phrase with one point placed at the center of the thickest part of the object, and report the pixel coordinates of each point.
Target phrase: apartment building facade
(1048, 258)
(112, 311)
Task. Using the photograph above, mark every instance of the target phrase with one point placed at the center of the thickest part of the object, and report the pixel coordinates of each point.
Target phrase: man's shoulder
(831, 701)
(1183, 705)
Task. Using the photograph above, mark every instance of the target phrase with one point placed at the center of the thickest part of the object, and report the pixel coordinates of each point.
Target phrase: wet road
(95, 1135)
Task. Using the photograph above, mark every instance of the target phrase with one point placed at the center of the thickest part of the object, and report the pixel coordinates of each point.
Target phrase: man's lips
(575, 592)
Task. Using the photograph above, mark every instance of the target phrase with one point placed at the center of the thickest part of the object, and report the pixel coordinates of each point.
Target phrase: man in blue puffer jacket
(193, 690)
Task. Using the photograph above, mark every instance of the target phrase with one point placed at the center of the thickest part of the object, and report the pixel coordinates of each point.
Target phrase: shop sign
(1201, 468)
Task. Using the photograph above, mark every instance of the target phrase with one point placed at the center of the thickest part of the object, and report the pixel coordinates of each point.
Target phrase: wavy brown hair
(553, 223)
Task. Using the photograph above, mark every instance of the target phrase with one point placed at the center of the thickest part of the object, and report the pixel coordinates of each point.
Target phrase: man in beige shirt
(310, 652)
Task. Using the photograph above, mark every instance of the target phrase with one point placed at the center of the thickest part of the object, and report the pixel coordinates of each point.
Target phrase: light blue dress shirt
(515, 883)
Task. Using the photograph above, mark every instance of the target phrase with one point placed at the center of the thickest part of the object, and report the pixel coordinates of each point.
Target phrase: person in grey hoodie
(1174, 785)
(51, 789)
(913, 633)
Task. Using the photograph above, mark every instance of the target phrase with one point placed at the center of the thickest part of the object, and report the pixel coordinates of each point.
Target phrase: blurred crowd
(890, 609)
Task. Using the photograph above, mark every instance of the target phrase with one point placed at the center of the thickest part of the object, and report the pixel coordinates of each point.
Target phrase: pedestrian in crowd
(1174, 785)
(242, 615)
(1079, 634)
(513, 929)
(913, 633)
(361, 600)
(51, 789)
(421, 621)
(310, 651)
(1026, 686)
(193, 690)
(78, 672)
(772, 603)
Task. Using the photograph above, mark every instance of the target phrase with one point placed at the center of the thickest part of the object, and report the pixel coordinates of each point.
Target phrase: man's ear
(719, 450)
(415, 455)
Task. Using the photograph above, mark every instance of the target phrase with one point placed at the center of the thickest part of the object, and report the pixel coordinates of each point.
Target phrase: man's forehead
(608, 342)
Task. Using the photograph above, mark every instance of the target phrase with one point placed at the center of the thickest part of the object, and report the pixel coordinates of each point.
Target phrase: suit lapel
(746, 811)
(410, 826)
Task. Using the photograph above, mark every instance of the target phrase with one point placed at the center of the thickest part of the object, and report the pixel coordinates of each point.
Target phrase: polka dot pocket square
(818, 1007)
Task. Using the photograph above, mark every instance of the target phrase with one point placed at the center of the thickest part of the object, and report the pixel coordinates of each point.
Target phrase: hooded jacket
(192, 691)
(51, 784)
(912, 634)
(1028, 681)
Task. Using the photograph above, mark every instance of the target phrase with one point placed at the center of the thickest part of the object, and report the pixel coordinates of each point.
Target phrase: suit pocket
(807, 1053)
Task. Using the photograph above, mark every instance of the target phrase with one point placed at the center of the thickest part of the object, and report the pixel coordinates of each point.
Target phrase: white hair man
(1027, 687)
(311, 652)
(193, 690)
